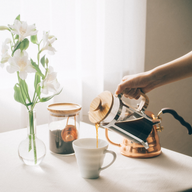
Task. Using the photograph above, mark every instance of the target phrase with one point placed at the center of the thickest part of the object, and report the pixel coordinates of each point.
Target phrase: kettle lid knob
(100, 107)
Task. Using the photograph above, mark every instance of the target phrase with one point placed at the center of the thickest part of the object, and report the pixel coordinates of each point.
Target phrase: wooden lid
(100, 107)
(64, 108)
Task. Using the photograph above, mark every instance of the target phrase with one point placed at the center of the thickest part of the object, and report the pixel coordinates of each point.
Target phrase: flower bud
(50, 36)
(4, 28)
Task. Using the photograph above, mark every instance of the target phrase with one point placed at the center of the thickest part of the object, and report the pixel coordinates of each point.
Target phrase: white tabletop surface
(171, 171)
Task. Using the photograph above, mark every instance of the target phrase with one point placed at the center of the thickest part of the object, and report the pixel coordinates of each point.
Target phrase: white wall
(98, 42)
(168, 36)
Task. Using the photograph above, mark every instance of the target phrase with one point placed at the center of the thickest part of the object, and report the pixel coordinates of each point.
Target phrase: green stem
(35, 151)
(13, 38)
(35, 92)
(24, 89)
(34, 96)
(30, 145)
(36, 99)
(32, 134)
(39, 52)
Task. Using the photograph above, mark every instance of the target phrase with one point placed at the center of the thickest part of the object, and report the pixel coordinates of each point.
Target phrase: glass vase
(32, 150)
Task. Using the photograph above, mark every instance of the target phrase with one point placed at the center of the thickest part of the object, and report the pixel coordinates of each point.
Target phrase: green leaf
(44, 99)
(23, 45)
(36, 67)
(18, 95)
(15, 47)
(36, 85)
(28, 104)
(38, 91)
(18, 17)
(47, 61)
(34, 39)
(25, 89)
(16, 36)
(37, 80)
(43, 61)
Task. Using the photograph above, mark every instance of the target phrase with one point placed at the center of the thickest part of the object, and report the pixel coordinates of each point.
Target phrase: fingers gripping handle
(144, 102)
(113, 160)
(179, 118)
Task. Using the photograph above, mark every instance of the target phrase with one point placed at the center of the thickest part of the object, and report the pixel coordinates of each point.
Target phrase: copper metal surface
(137, 150)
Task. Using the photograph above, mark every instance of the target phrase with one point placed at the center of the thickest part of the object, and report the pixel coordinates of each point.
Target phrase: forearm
(172, 71)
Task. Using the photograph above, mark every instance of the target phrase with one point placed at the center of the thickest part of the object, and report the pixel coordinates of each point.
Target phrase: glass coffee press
(137, 125)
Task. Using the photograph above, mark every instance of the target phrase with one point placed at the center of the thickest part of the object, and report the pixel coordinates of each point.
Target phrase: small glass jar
(64, 124)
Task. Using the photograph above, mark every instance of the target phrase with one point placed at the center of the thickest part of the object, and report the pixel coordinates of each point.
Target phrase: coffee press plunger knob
(96, 104)
(100, 107)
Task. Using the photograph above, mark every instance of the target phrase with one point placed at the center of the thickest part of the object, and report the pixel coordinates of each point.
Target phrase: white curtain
(98, 42)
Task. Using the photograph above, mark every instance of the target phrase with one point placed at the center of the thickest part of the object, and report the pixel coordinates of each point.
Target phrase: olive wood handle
(179, 118)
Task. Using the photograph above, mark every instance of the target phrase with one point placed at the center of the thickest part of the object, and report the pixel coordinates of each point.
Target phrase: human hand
(132, 85)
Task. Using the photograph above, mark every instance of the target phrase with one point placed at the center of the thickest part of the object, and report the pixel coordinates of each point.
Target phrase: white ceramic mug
(90, 158)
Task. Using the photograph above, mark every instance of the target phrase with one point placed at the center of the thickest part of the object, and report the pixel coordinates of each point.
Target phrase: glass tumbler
(64, 125)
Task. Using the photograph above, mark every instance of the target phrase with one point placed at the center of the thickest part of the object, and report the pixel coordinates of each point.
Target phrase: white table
(171, 171)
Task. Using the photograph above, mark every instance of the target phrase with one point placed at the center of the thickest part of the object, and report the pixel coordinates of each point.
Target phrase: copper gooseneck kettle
(137, 125)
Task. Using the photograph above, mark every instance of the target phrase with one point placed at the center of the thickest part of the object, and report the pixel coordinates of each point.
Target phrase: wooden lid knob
(100, 107)
(96, 104)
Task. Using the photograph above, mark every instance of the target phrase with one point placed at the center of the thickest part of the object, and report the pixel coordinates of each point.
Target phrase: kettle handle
(107, 136)
(178, 117)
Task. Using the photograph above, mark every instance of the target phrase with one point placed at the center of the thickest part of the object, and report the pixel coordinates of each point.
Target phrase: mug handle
(114, 157)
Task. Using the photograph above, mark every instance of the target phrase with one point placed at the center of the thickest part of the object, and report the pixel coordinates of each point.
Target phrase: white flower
(5, 47)
(22, 29)
(19, 62)
(4, 59)
(50, 83)
(4, 52)
(47, 43)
